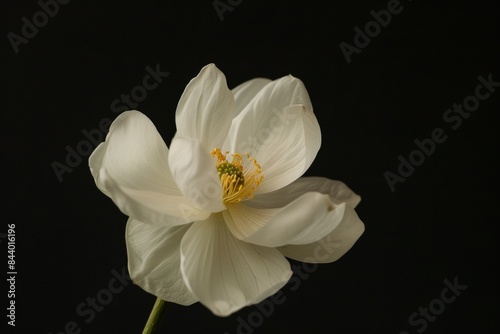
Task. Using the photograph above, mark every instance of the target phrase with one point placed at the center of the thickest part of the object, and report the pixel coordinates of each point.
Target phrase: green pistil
(230, 169)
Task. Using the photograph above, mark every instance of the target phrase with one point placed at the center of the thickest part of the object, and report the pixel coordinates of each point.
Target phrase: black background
(440, 224)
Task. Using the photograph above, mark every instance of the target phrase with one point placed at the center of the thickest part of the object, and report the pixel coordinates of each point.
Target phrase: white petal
(131, 167)
(246, 91)
(279, 129)
(195, 172)
(306, 219)
(152, 207)
(226, 274)
(331, 247)
(244, 220)
(338, 191)
(270, 219)
(206, 108)
(95, 161)
(154, 260)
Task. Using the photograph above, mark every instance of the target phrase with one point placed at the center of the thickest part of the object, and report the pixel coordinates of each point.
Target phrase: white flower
(213, 217)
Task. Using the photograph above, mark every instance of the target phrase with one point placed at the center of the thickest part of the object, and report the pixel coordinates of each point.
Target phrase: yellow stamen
(237, 184)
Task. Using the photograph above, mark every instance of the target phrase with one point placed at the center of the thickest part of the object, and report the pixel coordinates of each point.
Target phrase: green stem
(154, 317)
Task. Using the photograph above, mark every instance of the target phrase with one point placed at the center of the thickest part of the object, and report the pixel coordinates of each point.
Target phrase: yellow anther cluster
(237, 184)
(229, 170)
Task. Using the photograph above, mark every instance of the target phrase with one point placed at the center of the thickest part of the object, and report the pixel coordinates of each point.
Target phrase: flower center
(237, 184)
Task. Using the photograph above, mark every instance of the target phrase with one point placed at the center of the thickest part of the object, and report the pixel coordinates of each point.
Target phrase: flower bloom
(213, 218)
